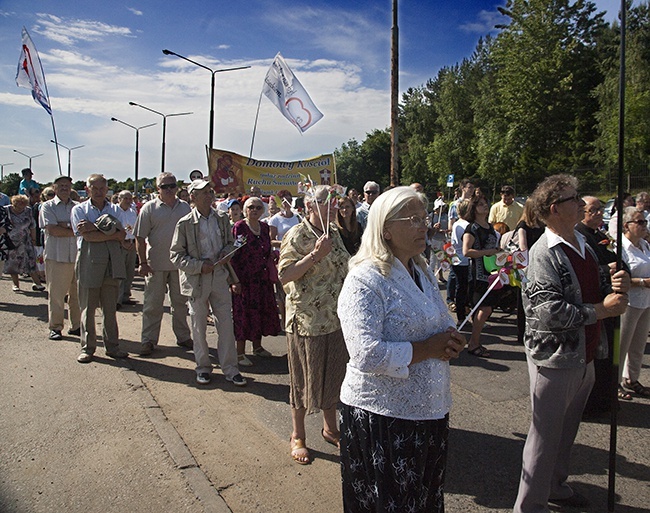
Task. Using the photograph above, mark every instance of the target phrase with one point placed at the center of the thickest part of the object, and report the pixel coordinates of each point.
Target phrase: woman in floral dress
(255, 311)
(21, 259)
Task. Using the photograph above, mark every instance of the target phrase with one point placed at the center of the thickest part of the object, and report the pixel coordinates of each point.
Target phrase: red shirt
(589, 279)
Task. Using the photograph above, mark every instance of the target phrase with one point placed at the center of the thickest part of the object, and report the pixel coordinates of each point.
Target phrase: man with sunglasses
(371, 192)
(565, 297)
(153, 232)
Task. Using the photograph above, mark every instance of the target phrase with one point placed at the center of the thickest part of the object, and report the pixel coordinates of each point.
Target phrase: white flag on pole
(289, 96)
(30, 73)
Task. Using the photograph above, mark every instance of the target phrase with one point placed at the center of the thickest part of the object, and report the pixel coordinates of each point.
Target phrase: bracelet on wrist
(313, 259)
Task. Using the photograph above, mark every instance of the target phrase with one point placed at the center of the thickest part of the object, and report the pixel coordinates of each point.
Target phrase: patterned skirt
(392, 465)
(316, 370)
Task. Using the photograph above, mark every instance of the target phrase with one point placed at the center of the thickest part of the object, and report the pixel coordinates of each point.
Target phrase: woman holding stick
(312, 267)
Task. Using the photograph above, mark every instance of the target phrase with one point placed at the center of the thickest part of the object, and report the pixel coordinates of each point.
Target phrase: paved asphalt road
(142, 436)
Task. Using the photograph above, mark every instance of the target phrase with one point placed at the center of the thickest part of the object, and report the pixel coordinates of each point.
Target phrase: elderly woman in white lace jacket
(396, 393)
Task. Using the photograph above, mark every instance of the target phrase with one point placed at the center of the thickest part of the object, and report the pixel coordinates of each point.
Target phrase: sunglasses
(255, 207)
(640, 222)
(167, 186)
(371, 192)
(575, 197)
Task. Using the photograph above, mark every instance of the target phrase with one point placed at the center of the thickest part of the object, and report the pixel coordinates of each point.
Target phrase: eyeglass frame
(640, 222)
(421, 221)
(168, 186)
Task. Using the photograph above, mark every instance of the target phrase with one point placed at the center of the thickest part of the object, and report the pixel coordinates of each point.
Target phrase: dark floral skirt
(392, 465)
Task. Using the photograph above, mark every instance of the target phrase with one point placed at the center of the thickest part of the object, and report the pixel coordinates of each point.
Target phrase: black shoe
(189, 344)
(203, 378)
(75, 332)
(55, 335)
(238, 380)
(129, 302)
(38, 288)
(575, 501)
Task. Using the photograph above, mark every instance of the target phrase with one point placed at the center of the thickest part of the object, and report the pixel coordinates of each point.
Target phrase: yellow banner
(230, 172)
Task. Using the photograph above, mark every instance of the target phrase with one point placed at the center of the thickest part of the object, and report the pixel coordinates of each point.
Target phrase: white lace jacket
(380, 317)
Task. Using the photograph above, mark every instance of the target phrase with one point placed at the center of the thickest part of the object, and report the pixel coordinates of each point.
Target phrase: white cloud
(135, 11)
(69, 31)
(485, 22)
(343, 33)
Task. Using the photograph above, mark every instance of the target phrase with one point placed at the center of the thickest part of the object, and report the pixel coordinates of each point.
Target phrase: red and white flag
(289, 96)
(30, 73)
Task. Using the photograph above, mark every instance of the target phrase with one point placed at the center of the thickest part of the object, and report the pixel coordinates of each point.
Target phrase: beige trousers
(61, 281)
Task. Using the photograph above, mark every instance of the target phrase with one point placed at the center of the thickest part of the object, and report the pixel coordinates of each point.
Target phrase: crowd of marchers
(354, 284)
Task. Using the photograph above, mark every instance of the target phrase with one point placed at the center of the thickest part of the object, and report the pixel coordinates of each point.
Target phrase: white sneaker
(243, 360)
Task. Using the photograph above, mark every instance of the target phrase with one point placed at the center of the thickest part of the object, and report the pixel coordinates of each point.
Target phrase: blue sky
(99, 56)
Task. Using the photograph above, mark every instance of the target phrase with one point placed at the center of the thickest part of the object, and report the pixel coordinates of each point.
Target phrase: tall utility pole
(394, 99)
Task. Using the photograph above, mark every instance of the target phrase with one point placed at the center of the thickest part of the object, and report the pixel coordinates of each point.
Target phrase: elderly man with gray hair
(128, 216)
(371, 192)
(565, 299)
(153, 231)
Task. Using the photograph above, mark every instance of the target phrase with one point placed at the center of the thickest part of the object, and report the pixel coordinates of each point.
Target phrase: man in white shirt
(128, 216)
(60, 255)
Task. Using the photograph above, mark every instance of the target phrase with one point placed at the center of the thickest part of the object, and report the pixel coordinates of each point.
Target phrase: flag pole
(616, 349)
(257, 114)
(56, 144)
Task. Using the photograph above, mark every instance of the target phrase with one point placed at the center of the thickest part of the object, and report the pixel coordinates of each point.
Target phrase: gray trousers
(129, 256)
(89, 300)
(153, 307)
(216, 294)
(558, 398)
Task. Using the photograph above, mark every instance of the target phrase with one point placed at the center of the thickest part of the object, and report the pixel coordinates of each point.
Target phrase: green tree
(545, 68)
(357, 163)
(10, 184)
(637, 95)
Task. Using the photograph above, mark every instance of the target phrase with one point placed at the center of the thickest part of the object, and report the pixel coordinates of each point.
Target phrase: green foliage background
(541, 97)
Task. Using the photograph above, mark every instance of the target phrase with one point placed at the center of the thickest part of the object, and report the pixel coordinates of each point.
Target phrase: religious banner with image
(230, 172)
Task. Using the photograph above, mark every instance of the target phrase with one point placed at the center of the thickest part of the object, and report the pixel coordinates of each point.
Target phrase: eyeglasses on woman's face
(416, 221)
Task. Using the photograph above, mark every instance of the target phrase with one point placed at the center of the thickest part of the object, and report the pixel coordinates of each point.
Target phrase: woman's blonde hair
(374, 247)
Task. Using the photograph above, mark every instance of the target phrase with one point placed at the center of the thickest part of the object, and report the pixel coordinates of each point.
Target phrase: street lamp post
(137, 149)
(215, 71)
(30, 157)
(164, 127)
(69, 153)
(2, 170)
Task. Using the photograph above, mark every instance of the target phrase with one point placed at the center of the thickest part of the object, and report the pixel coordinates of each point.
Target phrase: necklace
(255, 232)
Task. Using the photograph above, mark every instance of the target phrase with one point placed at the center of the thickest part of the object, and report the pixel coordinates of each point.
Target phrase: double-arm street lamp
(30, 157)
(137, 148)
(2, 170)
(69, 153)
(164, 127)
(213, 71)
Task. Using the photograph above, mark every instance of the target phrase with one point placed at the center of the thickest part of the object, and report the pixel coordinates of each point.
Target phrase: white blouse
(639, 262)
(380, 317)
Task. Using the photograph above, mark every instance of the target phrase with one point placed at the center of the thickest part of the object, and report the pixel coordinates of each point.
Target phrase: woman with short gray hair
(635, 322)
